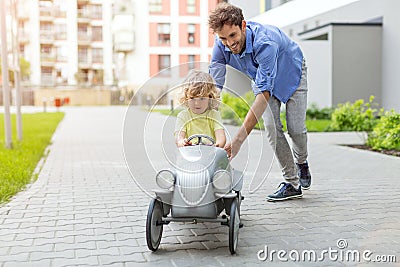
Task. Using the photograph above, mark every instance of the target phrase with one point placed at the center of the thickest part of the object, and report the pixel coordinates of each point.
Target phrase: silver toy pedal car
(200, 186)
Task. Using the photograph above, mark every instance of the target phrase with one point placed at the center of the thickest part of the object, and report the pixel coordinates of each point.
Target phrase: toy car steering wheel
(199, 137)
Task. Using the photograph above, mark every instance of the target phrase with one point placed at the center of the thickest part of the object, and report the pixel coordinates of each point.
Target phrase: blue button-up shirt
(271, 59)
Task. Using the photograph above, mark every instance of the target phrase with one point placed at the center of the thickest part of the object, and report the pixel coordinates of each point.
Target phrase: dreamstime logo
(340, 253)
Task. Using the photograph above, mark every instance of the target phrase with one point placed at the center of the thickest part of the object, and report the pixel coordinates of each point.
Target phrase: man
(279, 74)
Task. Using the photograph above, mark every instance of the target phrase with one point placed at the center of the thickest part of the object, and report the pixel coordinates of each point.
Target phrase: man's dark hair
(223, 14)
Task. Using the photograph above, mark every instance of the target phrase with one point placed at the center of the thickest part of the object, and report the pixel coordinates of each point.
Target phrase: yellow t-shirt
(205, 123)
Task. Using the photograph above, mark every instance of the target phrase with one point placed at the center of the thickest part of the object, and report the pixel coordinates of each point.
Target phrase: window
(191, 29)
(60, 8)
(83, 55)
(83, 32)
(191, 61)
(97, 12)
(22, 49)
(45, 8)
(164, 33)
(97, 55)
(83, 11)
(61, 31)
(191, 6)
(45, 49)
(46, 75)
(21, 26)
(164, 63)
(155, 6)
(82, 76)
(98, 76)
(62, 53)
(46, 26)
(97, 33)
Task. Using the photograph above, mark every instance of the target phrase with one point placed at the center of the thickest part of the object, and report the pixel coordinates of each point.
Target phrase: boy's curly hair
(223, 14)
(199, 84)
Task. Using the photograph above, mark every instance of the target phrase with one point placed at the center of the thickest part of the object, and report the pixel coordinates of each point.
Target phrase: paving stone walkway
(86, 210)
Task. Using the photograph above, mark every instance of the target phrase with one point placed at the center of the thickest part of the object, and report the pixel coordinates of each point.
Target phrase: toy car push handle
(199, 137)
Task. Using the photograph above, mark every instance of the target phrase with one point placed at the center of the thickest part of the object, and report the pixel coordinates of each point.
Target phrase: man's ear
(243, 26)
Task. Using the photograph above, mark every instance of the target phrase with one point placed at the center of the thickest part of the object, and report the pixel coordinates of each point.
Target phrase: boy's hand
(184, 142)
(218, 145)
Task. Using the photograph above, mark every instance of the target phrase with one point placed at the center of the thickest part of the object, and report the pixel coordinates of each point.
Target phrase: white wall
(391, 55)
(138, 62)
(319, 75)
(249, 8)
(356, 66)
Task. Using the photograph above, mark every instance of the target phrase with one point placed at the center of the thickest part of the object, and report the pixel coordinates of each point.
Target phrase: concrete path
(86, 210)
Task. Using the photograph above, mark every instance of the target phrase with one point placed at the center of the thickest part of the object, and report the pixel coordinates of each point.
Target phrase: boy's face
(198, 105)
(233, 37)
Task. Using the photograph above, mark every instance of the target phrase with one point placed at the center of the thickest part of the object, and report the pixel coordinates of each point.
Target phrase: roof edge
(341, 24)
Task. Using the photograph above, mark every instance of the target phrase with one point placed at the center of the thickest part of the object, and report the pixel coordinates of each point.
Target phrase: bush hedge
(386, 134)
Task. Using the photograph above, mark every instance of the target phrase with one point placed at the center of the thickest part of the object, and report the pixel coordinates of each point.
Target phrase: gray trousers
(295, 120)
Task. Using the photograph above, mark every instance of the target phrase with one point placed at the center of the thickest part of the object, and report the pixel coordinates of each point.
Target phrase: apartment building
(66, 42)
(113, 42)
(168, 33)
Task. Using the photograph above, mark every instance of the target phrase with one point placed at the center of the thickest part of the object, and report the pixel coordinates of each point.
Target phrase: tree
(25, 68)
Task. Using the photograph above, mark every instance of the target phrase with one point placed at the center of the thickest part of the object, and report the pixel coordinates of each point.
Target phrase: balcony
(60, 58)
(84, 16)
(23, 36)
(97, 59)
(123, 33)
(46, 37)
(23, 14)
(47, 79)
(59, 13)
(84, 38)
(46, 13)
(47, 59)
(84, 62)
(61, 36)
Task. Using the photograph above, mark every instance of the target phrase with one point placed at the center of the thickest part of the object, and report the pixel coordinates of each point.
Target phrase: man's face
(233, 37)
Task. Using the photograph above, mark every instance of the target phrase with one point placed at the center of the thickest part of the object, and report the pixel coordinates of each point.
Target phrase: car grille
(193, 183)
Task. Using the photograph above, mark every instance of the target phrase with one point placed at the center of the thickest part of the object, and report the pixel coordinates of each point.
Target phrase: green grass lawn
(314, 125)
(18, 164)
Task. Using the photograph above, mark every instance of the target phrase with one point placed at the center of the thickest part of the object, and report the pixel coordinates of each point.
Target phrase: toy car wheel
(234, 222)
(154, 226)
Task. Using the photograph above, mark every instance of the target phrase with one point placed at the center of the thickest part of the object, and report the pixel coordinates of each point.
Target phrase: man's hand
(251, 119)
(232, 149)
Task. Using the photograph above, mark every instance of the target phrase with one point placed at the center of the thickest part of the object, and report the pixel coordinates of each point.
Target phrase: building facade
(167, 33)
(114, 42)
(66, 42)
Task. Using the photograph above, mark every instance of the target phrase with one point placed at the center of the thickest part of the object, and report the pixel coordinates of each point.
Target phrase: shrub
(357, 116)
(314, 113)
(235, 108)
(386, 134)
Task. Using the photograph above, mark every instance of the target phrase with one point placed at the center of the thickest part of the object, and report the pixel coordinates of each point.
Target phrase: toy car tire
(234, 225)
(154, 226)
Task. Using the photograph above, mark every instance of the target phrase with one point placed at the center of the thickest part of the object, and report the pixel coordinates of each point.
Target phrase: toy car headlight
(222, 180)
(165, 179)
